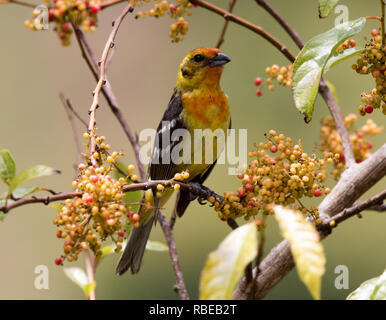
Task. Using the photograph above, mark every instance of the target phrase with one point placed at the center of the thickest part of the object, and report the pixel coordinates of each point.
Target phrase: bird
(197, 102)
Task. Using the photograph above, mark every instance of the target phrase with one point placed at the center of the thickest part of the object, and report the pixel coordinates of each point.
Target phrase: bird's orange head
(201, 68)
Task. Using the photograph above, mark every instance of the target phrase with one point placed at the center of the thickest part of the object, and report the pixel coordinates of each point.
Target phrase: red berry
(223, 219)
(51, 15)
(136, 217)
(358, 160)
(172, 7)
(258, 81)
(370, 145)
(129, 214)
(259, 93)
(121, 233)
(89, 199)
(65, 27)
(273, 149)
(376, 73)
(94, 179)
(341, 157)
(248, 187)
(318, 193)
(251, 203)
(358, 70)
(241, 192)
(374, 32)
(369, 109)
(90, 22)
(352, 43)
(58, 261)
(240, 176)
(59, 234)
(95, 8)
(360, 134)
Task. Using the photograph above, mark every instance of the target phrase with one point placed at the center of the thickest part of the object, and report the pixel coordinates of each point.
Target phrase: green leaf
(373, 289)
(22, 192)
(156, 246)
(305, 246)
(7, 166)
(311, 61)
(225, 266)
(326, 6)
(78, 276)
(31, 173)
(340, 57)
(116, 173)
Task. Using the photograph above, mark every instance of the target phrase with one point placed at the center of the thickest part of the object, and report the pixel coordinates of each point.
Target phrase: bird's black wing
(185, 197)
(170, 122)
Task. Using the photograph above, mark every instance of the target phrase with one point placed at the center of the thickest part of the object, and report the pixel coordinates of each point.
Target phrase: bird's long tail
(135, 248)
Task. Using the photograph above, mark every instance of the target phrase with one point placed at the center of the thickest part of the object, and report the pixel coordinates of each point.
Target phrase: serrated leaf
(78, 276)
(326, 6)
(311, 61)
(305, 246)
(156, 246)
(372, 289)
(7, 166)
(22, 192)
(225, 266)
(340, 57)
(31, 173)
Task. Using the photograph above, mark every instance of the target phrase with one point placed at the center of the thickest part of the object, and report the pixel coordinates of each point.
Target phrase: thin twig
(110, 3)
(355, 209)
(89, 56)
(220, 41)
(292, 33)
(180, 286)
(127, 188)
(383, 21)
(102, 63)
(67, 106)
(22, 3)
(247, 24)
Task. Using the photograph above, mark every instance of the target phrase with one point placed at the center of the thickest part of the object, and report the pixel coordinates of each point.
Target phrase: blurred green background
(34, 127)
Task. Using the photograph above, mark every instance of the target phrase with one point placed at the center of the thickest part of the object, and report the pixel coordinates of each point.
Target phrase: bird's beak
(219, 60)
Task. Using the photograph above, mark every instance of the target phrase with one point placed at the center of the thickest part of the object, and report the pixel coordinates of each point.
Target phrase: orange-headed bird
(198, 102)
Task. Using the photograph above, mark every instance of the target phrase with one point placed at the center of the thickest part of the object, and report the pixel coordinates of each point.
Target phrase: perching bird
(197, 102)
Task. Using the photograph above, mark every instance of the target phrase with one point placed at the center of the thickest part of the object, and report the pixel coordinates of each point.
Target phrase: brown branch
(355, 209)
(89, 56)
(220, 41)
(102, 63)
(291, 32)
(180, 286)
(247, 24)
(22, 3)
(69, 111)
(324, 89)
(110, 3)
(354, 182)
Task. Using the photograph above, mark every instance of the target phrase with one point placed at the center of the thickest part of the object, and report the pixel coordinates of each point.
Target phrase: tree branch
(180, 286)
(220, 41)
(354, 182)
(89, 56)
(245, 23)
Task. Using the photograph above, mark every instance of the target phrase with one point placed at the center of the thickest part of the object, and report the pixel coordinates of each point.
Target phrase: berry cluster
(331, 142)
(281, 75)
(87, 220)
(346, 45)
(372, 60)
(176, 11)
(62, 13)
(281, 174)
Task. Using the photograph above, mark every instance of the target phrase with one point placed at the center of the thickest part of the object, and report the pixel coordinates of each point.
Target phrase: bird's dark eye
(198, 58)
